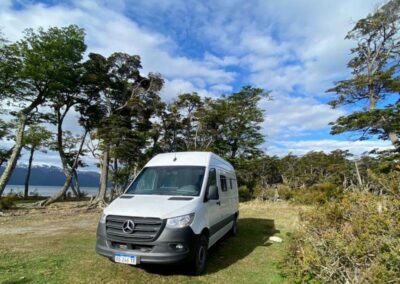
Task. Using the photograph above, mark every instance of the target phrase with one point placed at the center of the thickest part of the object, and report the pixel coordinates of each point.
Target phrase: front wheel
(199, 263)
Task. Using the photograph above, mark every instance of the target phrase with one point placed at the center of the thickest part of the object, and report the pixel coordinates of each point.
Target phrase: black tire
(200, 257)
(234, 228)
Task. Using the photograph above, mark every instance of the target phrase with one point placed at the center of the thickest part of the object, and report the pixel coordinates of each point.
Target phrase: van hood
(156, 206)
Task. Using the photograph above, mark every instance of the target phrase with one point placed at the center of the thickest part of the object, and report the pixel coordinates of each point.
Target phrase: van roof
(189, 159)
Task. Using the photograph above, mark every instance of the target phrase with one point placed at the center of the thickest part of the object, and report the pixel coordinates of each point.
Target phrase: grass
(56, 245)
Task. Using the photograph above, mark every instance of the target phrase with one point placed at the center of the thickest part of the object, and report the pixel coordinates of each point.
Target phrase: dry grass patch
(56, 245)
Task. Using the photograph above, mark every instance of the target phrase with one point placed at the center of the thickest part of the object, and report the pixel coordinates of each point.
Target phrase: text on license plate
(127, 259)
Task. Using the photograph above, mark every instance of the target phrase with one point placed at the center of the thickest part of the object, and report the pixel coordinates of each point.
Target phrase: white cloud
(287, 44)
(222, 88)
(327, 145)
(287, 117)
(175, 87)
(291, 47)
(217, 61)
(109, 31)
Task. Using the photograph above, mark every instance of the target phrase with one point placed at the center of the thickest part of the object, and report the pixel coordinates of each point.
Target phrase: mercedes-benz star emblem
(128, 227)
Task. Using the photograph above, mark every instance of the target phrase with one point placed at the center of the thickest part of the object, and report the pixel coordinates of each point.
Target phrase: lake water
(44, 190)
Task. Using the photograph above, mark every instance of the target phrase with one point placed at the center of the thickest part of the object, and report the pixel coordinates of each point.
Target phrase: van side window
(223, 183)
(231, 183)
(212, 183)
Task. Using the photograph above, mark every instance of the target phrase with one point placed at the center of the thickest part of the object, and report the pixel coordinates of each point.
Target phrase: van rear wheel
(199, 262)
(234, 228)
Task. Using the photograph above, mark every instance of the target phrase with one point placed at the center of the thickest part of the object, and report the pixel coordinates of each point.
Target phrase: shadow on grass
(252, 233)
(17, 281)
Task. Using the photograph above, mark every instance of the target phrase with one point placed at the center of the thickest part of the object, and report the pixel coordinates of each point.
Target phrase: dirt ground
(55, 219)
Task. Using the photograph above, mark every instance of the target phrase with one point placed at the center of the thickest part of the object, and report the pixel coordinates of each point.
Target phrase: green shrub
(317, 194)
(274, 192)
(263, 193)
(353, 240)
(285, 192)
(244, 193)
(7, 202)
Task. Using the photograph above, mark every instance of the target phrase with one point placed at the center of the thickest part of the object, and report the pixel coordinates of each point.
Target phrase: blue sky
(296, 49)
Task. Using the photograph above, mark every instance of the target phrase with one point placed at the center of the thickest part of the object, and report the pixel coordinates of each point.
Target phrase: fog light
(179, 246)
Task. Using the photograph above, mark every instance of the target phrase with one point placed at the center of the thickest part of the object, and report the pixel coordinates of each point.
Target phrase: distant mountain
(51, 176)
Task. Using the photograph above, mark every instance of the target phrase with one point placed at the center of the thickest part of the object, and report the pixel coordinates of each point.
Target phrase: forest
(353, 233)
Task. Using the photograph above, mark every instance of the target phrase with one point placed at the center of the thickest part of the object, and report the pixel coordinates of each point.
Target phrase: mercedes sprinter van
(178, 206)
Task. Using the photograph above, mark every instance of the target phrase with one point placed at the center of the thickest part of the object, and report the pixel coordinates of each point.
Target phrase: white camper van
(175, 210)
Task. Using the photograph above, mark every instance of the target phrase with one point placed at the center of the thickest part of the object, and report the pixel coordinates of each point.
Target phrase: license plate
(127, 259)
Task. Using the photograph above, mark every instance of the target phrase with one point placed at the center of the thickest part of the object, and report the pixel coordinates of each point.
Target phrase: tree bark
(19, 136)
(76, 184)
(74, 191)
(115, 185)
(100, 200)
(28, 174)
(12, 162)
(395, 140)
(360, 182)
(59, 194)
(68, 179)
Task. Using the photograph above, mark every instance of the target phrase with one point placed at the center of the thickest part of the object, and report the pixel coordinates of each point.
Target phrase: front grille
(145, 230)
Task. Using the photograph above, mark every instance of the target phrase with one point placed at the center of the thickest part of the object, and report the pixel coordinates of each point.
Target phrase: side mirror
(212, 192)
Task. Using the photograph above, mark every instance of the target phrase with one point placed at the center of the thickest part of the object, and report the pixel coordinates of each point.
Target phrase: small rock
(275, 239)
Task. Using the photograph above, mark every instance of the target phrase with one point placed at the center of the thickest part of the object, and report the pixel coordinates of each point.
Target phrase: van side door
(223, 179)
(213, 205)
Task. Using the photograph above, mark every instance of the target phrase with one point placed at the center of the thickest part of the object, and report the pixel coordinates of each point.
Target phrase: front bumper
(162, 250)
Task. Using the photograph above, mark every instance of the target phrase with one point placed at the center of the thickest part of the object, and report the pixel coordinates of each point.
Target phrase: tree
(189, 107)
(233, 123)
(177, 128)
(32, 71)
(66, 144)
(127, 101)
(36, 138)
(375, 66)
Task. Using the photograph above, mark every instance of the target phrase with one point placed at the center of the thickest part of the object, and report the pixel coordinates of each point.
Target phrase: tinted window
(223, 183)
(170, 180)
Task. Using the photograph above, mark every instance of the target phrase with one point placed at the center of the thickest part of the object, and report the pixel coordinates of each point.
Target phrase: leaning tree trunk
(100, 200)
(28, 174)
(395, 140)
(59, 194)
(75, 185)
(68, 179)
(115, 186)
(73, 188)
(12, 162)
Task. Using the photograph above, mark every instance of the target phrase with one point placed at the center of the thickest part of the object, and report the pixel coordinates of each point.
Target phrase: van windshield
(169, 180)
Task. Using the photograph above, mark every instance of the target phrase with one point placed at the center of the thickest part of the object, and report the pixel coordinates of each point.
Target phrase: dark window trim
(216, 184)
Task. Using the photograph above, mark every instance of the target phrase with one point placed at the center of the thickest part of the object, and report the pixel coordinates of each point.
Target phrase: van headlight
(180, 221)
(103, 218)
